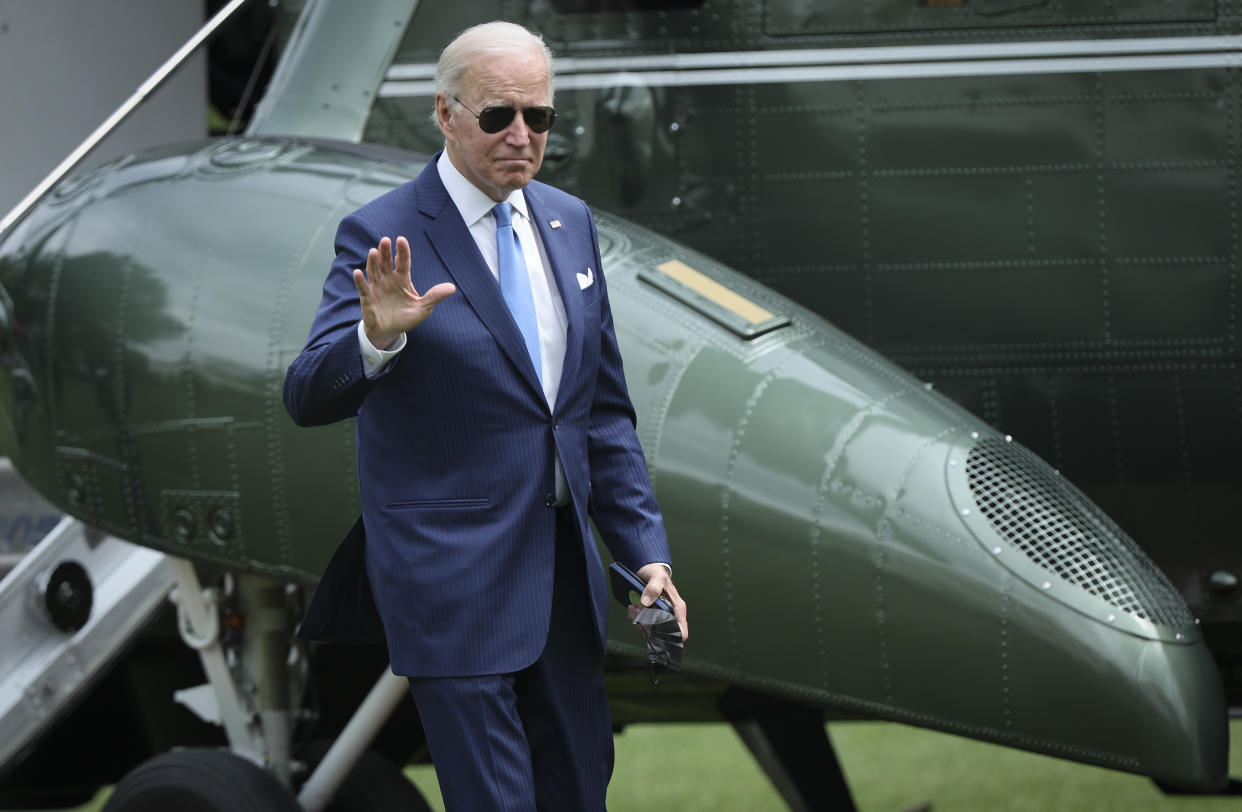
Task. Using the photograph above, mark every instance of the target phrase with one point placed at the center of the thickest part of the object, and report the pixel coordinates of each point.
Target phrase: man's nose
(518, 133)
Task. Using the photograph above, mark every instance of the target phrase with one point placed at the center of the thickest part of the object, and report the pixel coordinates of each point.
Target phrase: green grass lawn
(890, 767)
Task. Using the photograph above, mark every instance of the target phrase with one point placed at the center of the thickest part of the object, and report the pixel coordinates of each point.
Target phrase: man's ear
(443, 112)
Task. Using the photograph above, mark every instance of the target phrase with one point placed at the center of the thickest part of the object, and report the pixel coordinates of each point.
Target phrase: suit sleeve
(326, 382)
(622, 502)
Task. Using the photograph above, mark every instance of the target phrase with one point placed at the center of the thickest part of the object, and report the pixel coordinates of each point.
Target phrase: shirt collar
(470, 201)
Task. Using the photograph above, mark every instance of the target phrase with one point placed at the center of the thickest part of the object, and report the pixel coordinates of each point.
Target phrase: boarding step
(66, 610)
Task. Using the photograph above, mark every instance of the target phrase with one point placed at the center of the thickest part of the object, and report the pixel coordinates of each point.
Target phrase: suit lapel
(559, 243)
(454, 244)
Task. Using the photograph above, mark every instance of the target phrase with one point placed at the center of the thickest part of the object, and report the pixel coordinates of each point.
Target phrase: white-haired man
(488, 431)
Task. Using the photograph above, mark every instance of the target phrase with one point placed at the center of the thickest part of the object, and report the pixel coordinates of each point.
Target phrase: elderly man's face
(499, 162)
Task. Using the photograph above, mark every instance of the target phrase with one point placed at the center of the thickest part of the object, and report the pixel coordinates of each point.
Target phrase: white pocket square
(585, 280)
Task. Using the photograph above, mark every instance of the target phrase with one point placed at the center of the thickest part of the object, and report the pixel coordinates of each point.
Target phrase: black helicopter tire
(200, 780)
(375, 784)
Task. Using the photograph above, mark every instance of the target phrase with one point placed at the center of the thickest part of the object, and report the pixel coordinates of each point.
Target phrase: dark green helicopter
(994, 197)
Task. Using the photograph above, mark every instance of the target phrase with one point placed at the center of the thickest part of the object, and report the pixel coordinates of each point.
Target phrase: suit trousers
(537, 739)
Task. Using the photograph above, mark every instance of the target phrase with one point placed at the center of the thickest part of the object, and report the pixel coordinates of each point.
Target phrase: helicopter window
(718, 302)
(595, 6)
(799, 18)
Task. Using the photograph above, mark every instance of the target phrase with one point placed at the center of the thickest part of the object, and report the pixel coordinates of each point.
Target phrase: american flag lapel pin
(554, 223)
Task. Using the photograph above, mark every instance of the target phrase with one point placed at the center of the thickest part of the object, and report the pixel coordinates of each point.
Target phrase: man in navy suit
(487, 433)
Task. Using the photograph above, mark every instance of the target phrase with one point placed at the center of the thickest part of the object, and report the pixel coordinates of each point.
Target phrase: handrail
(120, 114)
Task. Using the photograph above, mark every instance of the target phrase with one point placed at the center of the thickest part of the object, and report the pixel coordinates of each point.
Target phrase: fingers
(653, 590)
(384, 252)
(380, 265)
(379, 259)
(403, 255)
(365, 281)
(391, 257)
(679, 609)
(660, 583)
(438, 292)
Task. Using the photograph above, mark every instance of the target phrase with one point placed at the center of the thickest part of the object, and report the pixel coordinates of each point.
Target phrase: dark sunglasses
(496, 118)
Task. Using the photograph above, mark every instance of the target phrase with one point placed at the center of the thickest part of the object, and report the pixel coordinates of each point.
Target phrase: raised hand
(390, 304)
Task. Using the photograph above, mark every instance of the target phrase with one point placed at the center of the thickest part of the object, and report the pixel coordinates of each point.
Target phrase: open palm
(390, 304)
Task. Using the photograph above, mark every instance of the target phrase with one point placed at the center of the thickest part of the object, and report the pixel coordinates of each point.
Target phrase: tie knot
(503, 214)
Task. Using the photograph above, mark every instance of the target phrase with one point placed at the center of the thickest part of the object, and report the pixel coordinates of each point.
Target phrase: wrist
(381, 341)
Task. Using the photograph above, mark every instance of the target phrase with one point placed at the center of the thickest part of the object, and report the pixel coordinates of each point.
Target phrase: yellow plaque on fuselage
(714, 300)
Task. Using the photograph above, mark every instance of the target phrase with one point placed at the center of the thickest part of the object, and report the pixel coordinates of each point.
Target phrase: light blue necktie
(515, 282)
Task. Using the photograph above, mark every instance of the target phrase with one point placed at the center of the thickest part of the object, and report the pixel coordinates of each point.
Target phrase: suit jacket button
(550, 500)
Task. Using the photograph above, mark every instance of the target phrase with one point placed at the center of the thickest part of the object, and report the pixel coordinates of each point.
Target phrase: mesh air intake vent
(1059, 529)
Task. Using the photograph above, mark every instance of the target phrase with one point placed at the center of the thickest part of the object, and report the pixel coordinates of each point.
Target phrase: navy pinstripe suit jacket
(456, 444)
